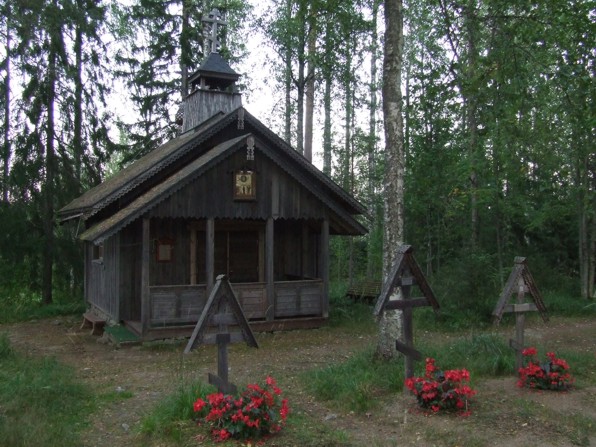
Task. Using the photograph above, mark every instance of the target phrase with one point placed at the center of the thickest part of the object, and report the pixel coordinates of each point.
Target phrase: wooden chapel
(226, 196)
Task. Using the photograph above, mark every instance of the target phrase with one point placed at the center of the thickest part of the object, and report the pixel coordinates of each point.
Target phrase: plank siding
(176, 304)
(130, 272)
(96, 283)
(177, 270)
(291, 200)
(253, 299)
(201, 105)
(103, 282)
(298, 298)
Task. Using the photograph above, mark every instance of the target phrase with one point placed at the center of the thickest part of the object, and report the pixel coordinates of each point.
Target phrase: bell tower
(213, 85)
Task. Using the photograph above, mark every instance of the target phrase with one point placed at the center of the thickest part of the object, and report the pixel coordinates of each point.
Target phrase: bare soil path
(152, 371)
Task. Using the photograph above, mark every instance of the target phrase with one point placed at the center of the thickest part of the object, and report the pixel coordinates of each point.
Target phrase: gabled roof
(100, 196)
(139, 172)
(129, 178)
(111, 225)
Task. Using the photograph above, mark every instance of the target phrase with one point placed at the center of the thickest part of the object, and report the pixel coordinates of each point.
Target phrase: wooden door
(236, 255)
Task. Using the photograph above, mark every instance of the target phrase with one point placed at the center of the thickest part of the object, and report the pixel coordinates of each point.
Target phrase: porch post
(304, 264)
(145, 260)
(324, 256)
(269, 278)
(210, 254)
(193, 254)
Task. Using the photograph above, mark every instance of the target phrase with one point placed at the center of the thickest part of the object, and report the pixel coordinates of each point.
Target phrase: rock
(125, 427)
(330, 417)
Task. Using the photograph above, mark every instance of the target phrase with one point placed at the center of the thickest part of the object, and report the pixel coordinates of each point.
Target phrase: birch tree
(390, 321)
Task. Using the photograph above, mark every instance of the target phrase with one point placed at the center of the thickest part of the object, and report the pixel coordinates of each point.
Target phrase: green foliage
(353, 385)
(347, 313)
(171, 417)
(303, 431)
(43, 404)
(30, 308)
(582, 364)
(6, 351)
(483, 354)
(558, 303)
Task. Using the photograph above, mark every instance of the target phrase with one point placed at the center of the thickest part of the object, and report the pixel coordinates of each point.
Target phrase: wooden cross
(520, 282)
(405, 273)
(222, 322)
(221, 379)
(211, 24)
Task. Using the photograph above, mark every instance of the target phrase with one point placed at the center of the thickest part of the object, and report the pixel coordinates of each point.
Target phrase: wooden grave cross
(222, 322)
(520, 281)
(406, 273)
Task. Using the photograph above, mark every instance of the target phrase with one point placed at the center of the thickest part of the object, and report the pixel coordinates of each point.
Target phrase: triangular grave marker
(406, 273)
(520, 282)
(223, 322)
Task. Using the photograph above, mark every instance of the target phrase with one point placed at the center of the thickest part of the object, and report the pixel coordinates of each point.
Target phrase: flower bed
(442, 390)
(553, 374)
(256, 412)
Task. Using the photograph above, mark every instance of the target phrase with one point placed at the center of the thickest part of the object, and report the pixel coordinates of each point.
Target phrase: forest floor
(504, 415)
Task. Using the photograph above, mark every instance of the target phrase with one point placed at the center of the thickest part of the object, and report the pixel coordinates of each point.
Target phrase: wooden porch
(175, 310)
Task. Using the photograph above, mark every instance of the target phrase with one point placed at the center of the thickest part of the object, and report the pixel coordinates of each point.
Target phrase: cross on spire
(211, 24)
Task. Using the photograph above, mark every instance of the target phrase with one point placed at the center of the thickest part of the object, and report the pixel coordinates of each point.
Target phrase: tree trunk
(288, 83)
(48, 196)
(301, 81)
(372, 135)
(347, 74)
(288, 104)
(77, 139)
(390, 323)
(6, 153)
(310, 91)
(471, 107)
(328, 77)
(183, 48)
(585, 246)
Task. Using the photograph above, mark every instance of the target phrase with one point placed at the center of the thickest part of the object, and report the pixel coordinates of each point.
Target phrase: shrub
(257, 412)
(442, 390)
(552, 374)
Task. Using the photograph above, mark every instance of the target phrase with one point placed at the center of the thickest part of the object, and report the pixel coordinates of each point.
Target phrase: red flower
(528, 352)
(221, 435)
(257, 412)
(546, 376)
(199, 405)
(441, 390)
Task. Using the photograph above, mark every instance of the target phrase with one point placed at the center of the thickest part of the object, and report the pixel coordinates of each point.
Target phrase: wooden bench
(367, 290)
(95, 321)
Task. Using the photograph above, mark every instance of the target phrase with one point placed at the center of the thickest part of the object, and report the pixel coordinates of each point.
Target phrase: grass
(41, 402)
(173, 420)
(172, 417)
(483, 354)
(350, 386)
(30, 310)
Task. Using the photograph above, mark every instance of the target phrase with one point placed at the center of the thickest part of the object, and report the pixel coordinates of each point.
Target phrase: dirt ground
(153, 371)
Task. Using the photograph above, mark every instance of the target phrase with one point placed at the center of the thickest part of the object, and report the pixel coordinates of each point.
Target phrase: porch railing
(183, 304)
